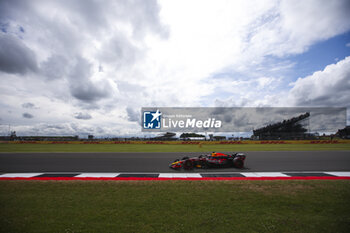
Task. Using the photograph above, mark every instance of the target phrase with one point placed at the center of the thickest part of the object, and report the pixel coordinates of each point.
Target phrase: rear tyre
(238, 163)
(184, 158)
(188, 164)
(205, 165)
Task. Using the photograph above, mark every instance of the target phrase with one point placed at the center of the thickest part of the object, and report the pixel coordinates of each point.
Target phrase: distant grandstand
(192, 136)
(293, 128)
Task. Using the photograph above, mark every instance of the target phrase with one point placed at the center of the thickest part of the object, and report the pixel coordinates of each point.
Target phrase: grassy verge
(166, 148)
(175, 206)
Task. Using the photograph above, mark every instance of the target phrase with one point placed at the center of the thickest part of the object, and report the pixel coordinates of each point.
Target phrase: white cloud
(294, 26)
(328, 87)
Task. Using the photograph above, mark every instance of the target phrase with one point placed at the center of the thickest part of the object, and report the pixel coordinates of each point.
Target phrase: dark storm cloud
(70, 39)
(15, 56)
(81, 86)
(88, 92)
(54, 67)
(119, 51)
(133, 115)
(82, 116)
(80, 16)
(28, 105)
(27, 115)
(10, 8)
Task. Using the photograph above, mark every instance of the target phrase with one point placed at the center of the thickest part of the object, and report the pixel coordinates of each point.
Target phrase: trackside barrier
(122, 142)
(324, 142)
(231, 142)
(272, 142)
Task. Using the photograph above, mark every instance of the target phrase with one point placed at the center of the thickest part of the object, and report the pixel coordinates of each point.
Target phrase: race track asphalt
(257, 161)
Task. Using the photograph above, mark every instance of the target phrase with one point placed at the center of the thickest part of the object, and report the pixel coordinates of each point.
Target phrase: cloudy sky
(87, 67)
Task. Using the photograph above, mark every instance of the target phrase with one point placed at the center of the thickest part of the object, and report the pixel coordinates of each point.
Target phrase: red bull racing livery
(212, 160)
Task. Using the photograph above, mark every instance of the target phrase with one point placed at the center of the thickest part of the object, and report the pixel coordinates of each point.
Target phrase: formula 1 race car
(208, 161)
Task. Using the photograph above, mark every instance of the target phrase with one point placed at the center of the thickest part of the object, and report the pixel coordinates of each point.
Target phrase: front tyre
(188, 164)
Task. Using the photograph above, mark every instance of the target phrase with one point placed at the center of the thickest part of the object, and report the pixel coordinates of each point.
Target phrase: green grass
(166, 148)
(175, 206)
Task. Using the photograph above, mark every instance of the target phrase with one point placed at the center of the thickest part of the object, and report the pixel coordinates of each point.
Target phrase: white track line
(98, 175)
(24, 175)
(264, 174)
(172, 175)
(179, 175)
(250, 174)
(338, 173)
